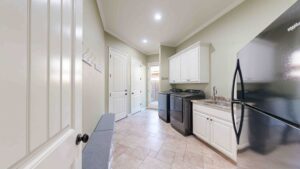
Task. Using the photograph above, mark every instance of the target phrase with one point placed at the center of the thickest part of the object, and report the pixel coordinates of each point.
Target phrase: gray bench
(97, 152)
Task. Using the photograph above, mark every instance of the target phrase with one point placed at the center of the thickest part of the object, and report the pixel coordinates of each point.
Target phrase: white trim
(201, 27)
(102, 16)
(194, 45)
(127, 42)
(219, 15)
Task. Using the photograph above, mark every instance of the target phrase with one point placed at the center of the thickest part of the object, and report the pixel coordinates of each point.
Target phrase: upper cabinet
(190, 65)
(174, 69)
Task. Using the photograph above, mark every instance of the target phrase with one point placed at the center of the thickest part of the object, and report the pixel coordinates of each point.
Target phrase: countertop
(214, 106)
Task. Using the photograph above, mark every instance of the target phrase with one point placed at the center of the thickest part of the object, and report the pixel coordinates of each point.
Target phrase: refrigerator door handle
(239, 72)
(237, 131)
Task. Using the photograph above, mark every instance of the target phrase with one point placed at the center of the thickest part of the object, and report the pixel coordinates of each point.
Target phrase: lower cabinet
(217, 132)
(223, 138)
(201, 126)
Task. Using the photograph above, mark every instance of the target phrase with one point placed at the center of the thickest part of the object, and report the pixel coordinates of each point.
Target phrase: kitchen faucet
(214, 94)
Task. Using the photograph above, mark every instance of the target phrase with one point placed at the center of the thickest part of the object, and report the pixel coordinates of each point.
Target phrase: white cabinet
(190, 65)
(174, 74)
(222, 137)
(201, 126)
(215, 128)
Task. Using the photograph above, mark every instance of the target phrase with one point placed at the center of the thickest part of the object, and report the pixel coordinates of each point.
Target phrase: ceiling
(133, 20)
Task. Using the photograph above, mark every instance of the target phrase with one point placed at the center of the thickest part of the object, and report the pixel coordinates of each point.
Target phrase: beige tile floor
(143, 141)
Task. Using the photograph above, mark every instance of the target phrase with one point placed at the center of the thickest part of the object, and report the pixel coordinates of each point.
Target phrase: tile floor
(143, 141)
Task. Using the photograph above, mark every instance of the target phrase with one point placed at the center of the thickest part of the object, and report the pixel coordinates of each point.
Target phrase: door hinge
(109, 94)
(109, 75)
(109, 56)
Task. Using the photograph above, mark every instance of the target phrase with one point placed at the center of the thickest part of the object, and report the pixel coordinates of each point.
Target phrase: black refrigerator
(266, 96)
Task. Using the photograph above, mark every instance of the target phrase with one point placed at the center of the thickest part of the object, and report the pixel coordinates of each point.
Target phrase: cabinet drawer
(223, 115)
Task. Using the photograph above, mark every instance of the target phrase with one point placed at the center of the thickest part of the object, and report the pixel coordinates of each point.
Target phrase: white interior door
(136, 89)
(118, 90)
(143, 87)
(40, 74)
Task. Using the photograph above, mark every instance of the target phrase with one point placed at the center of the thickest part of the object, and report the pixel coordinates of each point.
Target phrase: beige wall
(164, 53)
(115, 43)
(229, 34)
(95, 84)
(152, 58)
(93, 81)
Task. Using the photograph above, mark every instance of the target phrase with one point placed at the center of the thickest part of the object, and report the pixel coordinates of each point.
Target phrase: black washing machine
(164, 104)
(181, 110)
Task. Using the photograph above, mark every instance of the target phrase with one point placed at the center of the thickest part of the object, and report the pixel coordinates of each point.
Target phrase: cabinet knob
(82, 138)
(207, 118)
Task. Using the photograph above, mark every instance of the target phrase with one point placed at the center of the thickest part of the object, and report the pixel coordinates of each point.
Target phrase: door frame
(110, 49)
(149, 81)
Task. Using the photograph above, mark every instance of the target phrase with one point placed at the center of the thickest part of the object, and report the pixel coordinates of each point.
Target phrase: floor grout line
(131, 134)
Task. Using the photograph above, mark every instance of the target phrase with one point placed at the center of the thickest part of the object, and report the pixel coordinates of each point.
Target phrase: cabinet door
(194, 65)
(190, 65)
(201, 125)
(222, 137)
(174, 70)
(184, 63)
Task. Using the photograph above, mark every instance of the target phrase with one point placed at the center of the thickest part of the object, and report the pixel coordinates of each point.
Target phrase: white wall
(93, 81)
(229, 34)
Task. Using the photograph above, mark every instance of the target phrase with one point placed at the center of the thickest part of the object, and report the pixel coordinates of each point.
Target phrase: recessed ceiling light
(145, 41)
(157, 16)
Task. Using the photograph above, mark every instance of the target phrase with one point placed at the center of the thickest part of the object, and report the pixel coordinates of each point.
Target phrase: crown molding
(219, 15)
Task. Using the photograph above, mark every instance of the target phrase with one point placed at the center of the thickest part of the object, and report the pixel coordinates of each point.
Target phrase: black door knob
(84, 138)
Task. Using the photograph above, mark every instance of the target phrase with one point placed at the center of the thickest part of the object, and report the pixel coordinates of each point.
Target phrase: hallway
(143, 141)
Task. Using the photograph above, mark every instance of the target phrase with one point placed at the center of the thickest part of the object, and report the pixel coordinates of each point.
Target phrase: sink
(222, 104)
